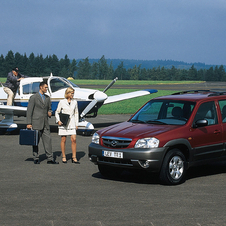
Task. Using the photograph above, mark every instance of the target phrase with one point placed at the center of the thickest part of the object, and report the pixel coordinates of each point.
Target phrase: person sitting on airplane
(12, 84)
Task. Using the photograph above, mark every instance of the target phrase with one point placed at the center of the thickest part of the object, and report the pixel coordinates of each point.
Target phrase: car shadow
(207, 170)
(131, 176)
(142, 177)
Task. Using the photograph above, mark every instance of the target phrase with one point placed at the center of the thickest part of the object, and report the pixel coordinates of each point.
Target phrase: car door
(222, 105)
(207, 140)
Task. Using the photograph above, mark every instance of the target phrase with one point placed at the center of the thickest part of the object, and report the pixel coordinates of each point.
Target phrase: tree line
(38, 66)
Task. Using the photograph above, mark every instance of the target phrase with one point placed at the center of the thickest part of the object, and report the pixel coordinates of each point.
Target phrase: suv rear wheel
(173, 168)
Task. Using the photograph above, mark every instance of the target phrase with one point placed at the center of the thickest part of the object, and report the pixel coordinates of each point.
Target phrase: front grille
(116, 142)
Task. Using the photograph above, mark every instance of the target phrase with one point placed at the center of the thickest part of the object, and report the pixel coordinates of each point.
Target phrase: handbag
(28, 137)
(64, 118)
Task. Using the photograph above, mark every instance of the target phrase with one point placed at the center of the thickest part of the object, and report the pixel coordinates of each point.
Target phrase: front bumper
(136, 158)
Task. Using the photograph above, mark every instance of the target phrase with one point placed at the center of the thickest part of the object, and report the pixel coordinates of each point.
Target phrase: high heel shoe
(64, 161)
(73, 161)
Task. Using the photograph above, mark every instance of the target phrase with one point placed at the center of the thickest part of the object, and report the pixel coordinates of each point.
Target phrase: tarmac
(71, 194)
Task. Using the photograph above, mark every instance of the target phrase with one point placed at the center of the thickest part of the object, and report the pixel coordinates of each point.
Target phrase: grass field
(129, 106)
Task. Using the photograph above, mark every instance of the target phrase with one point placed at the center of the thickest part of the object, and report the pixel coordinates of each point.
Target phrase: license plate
(113, 154)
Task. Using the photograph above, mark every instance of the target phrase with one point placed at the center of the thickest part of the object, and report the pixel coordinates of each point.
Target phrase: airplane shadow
(53, 129)
(142, 177)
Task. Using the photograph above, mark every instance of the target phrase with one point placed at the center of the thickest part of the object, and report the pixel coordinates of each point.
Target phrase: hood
(134, 130)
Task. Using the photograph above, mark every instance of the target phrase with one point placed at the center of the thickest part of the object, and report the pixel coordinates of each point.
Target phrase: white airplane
(89, 100)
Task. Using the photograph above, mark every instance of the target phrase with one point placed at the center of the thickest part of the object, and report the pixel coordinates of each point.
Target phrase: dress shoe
(76, 162)
(52, 162)
(64, 160)
(36, 162)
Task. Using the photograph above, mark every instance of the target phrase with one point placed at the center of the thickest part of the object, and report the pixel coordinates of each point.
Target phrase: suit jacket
(37, 112)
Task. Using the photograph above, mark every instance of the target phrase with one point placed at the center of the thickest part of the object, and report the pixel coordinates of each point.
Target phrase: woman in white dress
(68, 106)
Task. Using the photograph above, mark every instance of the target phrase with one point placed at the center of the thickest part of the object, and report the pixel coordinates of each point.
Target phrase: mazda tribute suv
(167, 135)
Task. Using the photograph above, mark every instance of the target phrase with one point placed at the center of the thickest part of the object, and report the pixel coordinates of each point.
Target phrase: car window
(164, 112)
(222, 104)
(208, 112)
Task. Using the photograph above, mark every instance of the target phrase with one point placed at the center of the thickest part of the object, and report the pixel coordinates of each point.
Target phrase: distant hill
(153, 63)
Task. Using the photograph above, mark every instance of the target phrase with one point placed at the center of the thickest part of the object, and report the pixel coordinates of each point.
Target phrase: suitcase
(28, 137)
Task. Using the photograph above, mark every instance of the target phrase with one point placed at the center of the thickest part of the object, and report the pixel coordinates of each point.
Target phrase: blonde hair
(67, 91)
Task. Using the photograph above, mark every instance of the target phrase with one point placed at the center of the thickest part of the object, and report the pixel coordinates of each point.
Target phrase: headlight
(147, 143)
(95, 138)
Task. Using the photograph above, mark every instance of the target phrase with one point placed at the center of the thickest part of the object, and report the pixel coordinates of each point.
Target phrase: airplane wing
(13, 110)
(125, 96)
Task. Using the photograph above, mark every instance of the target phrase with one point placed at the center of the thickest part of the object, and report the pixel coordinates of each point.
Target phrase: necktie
(43, 98)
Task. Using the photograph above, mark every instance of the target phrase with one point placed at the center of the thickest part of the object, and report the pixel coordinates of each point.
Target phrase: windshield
(73, 84)
(60, 83)
(164, 112)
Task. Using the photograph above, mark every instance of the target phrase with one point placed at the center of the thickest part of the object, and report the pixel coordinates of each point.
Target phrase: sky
(183, 30)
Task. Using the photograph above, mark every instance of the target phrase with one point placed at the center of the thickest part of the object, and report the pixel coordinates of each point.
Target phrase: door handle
(217, 131)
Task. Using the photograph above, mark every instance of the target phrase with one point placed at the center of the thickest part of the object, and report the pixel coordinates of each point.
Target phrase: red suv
(167, 135)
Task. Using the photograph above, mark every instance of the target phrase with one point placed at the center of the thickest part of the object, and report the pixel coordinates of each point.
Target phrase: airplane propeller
(109, 86)
(97, 97)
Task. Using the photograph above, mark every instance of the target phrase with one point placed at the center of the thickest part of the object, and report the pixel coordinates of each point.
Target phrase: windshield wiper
(136, 121)
(155, 122)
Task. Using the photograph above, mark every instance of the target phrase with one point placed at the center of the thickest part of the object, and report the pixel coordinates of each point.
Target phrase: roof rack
(216, 93)
(213, 93)
(191, 91)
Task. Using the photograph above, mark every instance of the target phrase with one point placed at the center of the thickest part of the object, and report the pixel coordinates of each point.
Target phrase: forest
(39, 66)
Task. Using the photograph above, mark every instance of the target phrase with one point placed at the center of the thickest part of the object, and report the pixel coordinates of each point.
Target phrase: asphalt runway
(70, 194)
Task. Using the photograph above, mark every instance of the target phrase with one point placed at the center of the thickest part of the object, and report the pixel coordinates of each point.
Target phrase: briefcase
(28, 137)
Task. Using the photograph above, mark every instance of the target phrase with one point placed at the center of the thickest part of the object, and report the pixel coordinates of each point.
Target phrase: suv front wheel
(173, 168)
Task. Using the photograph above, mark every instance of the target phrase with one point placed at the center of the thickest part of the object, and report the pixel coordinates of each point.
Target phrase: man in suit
(38, 111)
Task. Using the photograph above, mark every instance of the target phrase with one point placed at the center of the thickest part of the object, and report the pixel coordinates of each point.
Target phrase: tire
(173, 169)
(109, 171)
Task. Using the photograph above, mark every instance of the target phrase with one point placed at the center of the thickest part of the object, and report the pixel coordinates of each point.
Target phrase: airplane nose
(100, 96)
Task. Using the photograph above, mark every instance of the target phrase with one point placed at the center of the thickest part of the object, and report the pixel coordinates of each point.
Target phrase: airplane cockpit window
(60, 83)
(75, 86)
(31, 88)
(57, 84)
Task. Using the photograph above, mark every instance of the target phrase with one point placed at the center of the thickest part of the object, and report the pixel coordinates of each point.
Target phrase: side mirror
(200, 123)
